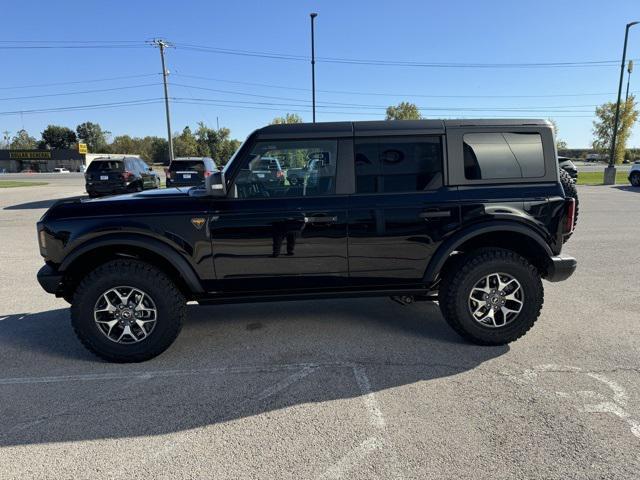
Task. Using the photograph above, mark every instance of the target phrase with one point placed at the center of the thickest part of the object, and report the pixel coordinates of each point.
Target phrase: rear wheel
(570, 190)
(494, 298)
(127, 311)
(635, 179)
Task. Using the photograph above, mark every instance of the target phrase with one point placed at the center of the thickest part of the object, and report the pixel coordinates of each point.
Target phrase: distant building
(40, 160)
(14, 161)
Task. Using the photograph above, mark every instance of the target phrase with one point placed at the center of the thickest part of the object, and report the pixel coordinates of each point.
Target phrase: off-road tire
(170, 303)
(570, 190)
(457, 283)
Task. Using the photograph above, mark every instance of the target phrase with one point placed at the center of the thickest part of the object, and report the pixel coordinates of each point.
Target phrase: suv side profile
(471, 214)
(109, 176)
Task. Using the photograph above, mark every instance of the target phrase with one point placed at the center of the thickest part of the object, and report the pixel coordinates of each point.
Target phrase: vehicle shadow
(628, 188)
(40, 203)
(230, 362)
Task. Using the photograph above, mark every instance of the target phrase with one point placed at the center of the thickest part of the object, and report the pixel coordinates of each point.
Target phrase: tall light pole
(629, 70)
(610, 171)
(162, 45)
(313, 67)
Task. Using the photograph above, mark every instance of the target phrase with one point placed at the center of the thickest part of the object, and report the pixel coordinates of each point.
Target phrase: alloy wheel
(125, 314)
(496, 300)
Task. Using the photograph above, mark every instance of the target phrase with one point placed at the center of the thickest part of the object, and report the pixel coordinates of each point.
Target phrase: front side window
(503, 155)
(294, 168)
(398, 164)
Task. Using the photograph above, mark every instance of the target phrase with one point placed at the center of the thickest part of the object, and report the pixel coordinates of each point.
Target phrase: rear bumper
(561, 268)
(50, 279)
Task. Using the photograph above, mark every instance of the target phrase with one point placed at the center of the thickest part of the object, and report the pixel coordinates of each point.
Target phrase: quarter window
(296, 168)
(398, 164)
(503, 155)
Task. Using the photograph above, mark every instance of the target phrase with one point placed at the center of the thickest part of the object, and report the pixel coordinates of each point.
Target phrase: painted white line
(3, 318)
(370, 401)
(352, 459)
(619, 394)
(142, 375)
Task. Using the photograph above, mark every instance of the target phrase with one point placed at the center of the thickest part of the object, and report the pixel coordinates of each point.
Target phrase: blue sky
(478, 32)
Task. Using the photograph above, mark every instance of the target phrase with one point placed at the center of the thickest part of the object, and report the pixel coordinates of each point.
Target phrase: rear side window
(102, 165)
(398, 164)
(503, 155)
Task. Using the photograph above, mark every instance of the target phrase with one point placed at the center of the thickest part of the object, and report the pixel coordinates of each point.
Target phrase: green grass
(16, 183)
(597, 178)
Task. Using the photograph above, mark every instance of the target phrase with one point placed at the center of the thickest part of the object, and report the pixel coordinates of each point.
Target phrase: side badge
(197, 222)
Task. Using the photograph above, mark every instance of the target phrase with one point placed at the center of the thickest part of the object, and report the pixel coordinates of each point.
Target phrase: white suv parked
(634, 174)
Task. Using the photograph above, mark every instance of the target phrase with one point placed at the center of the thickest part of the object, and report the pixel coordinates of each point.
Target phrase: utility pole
(610, 171)
(162, 45)
(629, 70)
(313, 67)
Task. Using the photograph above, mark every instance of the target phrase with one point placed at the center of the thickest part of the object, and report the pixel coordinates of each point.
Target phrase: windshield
(102, 165)
(233, 157)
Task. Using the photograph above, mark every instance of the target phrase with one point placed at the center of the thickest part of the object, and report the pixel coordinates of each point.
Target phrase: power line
(95, 80)
(79, 92)
(398, 63)
(381, 94)
(146, 101)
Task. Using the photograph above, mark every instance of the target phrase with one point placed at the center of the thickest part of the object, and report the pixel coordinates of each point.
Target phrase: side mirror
(216, 185)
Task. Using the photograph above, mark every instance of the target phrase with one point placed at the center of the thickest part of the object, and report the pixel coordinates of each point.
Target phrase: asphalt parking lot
(358, 389)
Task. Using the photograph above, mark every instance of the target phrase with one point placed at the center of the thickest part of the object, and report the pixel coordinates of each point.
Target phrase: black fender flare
(144, 242)
(451, 244)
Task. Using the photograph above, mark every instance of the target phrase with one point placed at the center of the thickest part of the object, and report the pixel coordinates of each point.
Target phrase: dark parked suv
(470, 213)
(189, 171)
(107, 176)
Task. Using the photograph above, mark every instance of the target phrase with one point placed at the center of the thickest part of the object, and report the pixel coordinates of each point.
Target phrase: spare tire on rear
(570, 190)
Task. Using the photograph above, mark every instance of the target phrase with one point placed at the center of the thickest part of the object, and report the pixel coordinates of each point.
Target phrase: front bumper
(50, 279)
(561, 268)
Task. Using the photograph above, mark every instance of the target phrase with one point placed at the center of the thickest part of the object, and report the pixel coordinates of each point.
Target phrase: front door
(270, 235)
(400, 211)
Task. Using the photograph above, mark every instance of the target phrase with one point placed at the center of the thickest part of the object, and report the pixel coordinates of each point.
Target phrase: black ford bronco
(471, 214)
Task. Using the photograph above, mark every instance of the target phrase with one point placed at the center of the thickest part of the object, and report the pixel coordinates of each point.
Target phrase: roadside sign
(82, 148)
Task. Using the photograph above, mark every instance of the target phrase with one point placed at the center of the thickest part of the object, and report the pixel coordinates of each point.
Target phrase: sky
(242, 63)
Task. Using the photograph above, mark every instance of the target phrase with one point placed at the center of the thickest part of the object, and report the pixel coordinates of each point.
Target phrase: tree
(185, 144)
(22, 140)
(93, 135)
(603, 127)
(288, 118)
(403, 111)
(560, 144)
(216, 144)
(55, 137)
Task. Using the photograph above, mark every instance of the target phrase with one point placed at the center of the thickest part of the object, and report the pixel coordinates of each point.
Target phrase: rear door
(401, 209)
(269, 236)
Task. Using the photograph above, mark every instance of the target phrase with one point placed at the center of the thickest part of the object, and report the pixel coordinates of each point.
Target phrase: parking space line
(370, 401)
(145, 375)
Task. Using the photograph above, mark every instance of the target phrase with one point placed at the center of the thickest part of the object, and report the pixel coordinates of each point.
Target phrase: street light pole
(313, 67)
(629, 70)
(610, 171)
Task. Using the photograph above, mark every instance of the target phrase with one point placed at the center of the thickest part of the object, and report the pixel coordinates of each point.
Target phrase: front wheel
(127, 311)
(635, 179)
(493, 298)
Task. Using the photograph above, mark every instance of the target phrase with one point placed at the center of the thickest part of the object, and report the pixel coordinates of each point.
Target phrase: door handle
(320, 219)
(435, 214)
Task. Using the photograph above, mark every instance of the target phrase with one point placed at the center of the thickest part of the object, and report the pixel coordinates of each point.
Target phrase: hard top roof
(396, 126)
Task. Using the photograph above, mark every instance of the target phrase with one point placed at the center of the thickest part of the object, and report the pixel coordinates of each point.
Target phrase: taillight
(167, 172)
(127, 176)
(569, 219)
(279, 174)
(207, 173)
